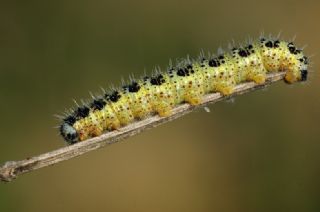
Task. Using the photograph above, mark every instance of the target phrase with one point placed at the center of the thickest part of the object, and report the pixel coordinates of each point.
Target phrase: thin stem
(11, 169)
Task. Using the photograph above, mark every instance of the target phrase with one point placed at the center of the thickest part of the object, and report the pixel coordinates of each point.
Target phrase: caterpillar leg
(193, 99)
(224, 89)
(82, 137)
(194, 92)
(259, 78)
(139, 113)
(114, 125)
(163, 110)
(290, 77)
(124, 115)
(83, 129)
(141, 108)
(96, 131)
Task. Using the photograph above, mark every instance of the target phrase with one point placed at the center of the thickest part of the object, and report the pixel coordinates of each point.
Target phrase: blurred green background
(260, 153)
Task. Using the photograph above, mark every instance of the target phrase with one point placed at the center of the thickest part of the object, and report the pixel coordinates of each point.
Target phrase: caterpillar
(185, 82)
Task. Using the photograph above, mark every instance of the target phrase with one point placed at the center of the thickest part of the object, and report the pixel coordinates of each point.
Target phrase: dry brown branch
(11, 169)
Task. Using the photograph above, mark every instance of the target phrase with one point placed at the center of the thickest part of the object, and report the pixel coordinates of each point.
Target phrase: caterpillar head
(68, 132)
(297, 66)
(284, 56)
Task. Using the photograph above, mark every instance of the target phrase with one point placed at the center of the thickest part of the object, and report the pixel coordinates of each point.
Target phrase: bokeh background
(258, 153)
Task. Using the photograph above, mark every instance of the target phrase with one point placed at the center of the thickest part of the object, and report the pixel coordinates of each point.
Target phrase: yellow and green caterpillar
(188, 81)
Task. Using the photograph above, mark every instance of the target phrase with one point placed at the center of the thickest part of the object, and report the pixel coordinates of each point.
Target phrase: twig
(11, 169)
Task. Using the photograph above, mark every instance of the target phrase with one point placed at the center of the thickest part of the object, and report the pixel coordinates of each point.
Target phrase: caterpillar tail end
(69, 133)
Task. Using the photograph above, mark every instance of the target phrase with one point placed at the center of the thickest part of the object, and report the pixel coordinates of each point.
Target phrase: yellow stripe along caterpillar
(185, 82)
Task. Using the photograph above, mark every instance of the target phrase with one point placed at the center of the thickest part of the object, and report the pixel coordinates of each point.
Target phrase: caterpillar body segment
(186, 82)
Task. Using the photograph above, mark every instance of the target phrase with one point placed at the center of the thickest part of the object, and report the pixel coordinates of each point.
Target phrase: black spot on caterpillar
(98, 104)
(113, 97)
(187, 81)
(158, 80)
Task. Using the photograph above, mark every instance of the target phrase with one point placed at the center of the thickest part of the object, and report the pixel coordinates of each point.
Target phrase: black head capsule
(304, 75)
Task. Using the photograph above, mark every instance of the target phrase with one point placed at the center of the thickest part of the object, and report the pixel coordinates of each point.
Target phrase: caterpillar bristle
(186, 80)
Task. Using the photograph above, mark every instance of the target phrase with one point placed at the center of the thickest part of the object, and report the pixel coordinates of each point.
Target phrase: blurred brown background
(260, 153)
